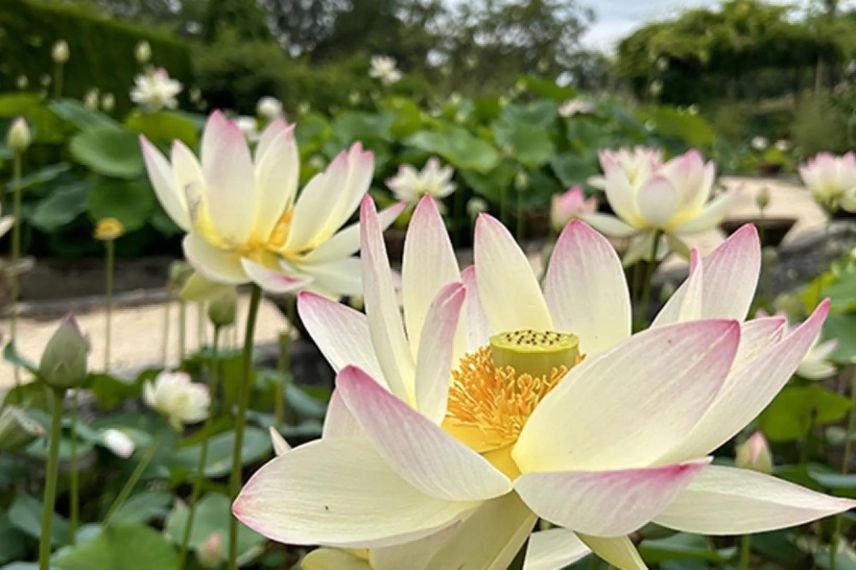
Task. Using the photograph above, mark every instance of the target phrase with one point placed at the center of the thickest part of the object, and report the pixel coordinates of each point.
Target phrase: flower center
(496, 388)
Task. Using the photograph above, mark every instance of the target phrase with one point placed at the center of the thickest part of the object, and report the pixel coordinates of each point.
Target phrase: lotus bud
(762, 198)
(143, 52)
(60, 52)
(754, 454)
(17, 429)
(210, 554)
(21, 82)
(269, 108)
(19, 137)
(108, 229)
(521, 181)
(476, 206)
(63, 363)
(91, 99)
(118, 442)
(108, 102)
(223, 309)
(179, 272)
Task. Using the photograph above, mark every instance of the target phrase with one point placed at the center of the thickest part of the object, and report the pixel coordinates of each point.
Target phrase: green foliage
(212, 516)
(120, 547)
(102, 50)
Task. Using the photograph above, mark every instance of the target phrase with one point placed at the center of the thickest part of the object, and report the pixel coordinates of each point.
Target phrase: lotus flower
(409, 184)
(156, 90)
(385, 69)
(244, 219)
(831, 180)
(570, 205)
(269, 108)
(181, 401)
(649, 196)
(492, 402)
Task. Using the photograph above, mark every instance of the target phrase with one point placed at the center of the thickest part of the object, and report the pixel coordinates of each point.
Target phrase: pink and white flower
(570, 205)
(243, 216)
(409, 184)
(831, 180)
(156, 90)
(648, 195)
(492, 402)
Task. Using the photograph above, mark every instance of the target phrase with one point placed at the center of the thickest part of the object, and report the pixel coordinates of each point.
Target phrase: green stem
(165, 336)
(17, 166)
(200, 326)
(521, 222)
(745, 552)
(203, 455)
(458, 215)
(845, 468)
(109, 264)
(182, 331)
(243, 402)
(132, 481)
(74, 476)
(57, 81)
(649, 276)
(283, 366)
(50, 481)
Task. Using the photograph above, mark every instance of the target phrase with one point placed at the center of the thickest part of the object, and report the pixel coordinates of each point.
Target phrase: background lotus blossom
(269, 108)
(243, 216)
(181, 401)
(409, 184)
(403, 456)
(156, 90)
(831, 180)
(570, 205)
(385, 69)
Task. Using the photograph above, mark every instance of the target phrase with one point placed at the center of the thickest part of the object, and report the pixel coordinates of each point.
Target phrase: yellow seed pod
(108, 229)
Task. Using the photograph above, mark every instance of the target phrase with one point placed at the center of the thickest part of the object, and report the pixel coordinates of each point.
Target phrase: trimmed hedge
(102, 50)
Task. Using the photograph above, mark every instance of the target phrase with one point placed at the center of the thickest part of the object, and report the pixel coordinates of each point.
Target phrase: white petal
(347, 242)
(586, 289)
(277, 167)
(609, 225)
(686, 304)
(622, 196)
(434, 360)
(230, 191)
(731, 275)
(605, 503)
(384, 318)
(280, 446)
(554, 549)
(333, 559)
(339, 492)
(619, 552)
(749, 389)
(726, 500)
(627, 406)
(162, 179)
(428, 265)
(272, 281)
(427, 457)
(339, 421)
(341, 333)
(214, 263)
(509, 291)
(657, 201)
(711, 215)
(477, 325)
(335, 278)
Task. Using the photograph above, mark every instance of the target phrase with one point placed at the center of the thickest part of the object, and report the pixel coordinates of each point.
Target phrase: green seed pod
(63, 363)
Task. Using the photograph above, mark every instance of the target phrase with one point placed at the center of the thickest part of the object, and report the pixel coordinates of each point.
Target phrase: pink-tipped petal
(509, 290)
(586, 289)
(272, 281)
(428, 265)
(605, 503)
(163, 181)
(434, 361)
(340, 332)
(687, 303)
(749, 389)
(339, 421)
(423, 454)
(340, 492)
(758, 334)
(277, 168)
(477, 325)
(733, 267)
(727, 501)
(627, 406)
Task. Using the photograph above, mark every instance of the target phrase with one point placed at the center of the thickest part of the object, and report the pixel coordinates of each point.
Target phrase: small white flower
(759, 143)
(816, 365)
(118, 442)
(782, 145)
(249, 128)
(108, 102)
(831, 180)
(576, 106)
(177, 398)
(269, 108)
(410, 184)
(60, 52)
(156, 90)
(385, 69)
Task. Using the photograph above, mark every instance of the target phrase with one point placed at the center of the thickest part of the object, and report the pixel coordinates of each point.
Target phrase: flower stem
(649, 276)
(745, 552)
(182, 331)
(845, 468)
(132, 481)
(74, 476)
(203, 455)
(520, 228)
(458, 215)
(50, 481)
(243, 402)
(109, 264)
(165, 336)
(16, 254)
(57, 80)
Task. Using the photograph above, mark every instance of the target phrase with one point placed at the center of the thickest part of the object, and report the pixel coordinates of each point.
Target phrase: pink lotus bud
(754, 454)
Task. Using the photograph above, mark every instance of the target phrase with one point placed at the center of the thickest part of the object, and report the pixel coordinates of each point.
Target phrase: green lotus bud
(17, 429)
(63, 363)
(762, 198)
(754, 454)
(19, 137)
(179, 272)
(223, 309)
(143, 52)
(60, 52)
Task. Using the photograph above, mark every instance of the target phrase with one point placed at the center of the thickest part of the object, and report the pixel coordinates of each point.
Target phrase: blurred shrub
(819, 125)
(102, 50)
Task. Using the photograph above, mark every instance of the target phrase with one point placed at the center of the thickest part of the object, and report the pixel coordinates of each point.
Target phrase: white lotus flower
(831, 180)
(243, 216)
(759, 143)
(269, 108)
(60, 52)
(385, 69)
(181, 401)
(576, 106)
(156, 90)
(492, 403)
(118, 442)
(249, 127)
(409, 184)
